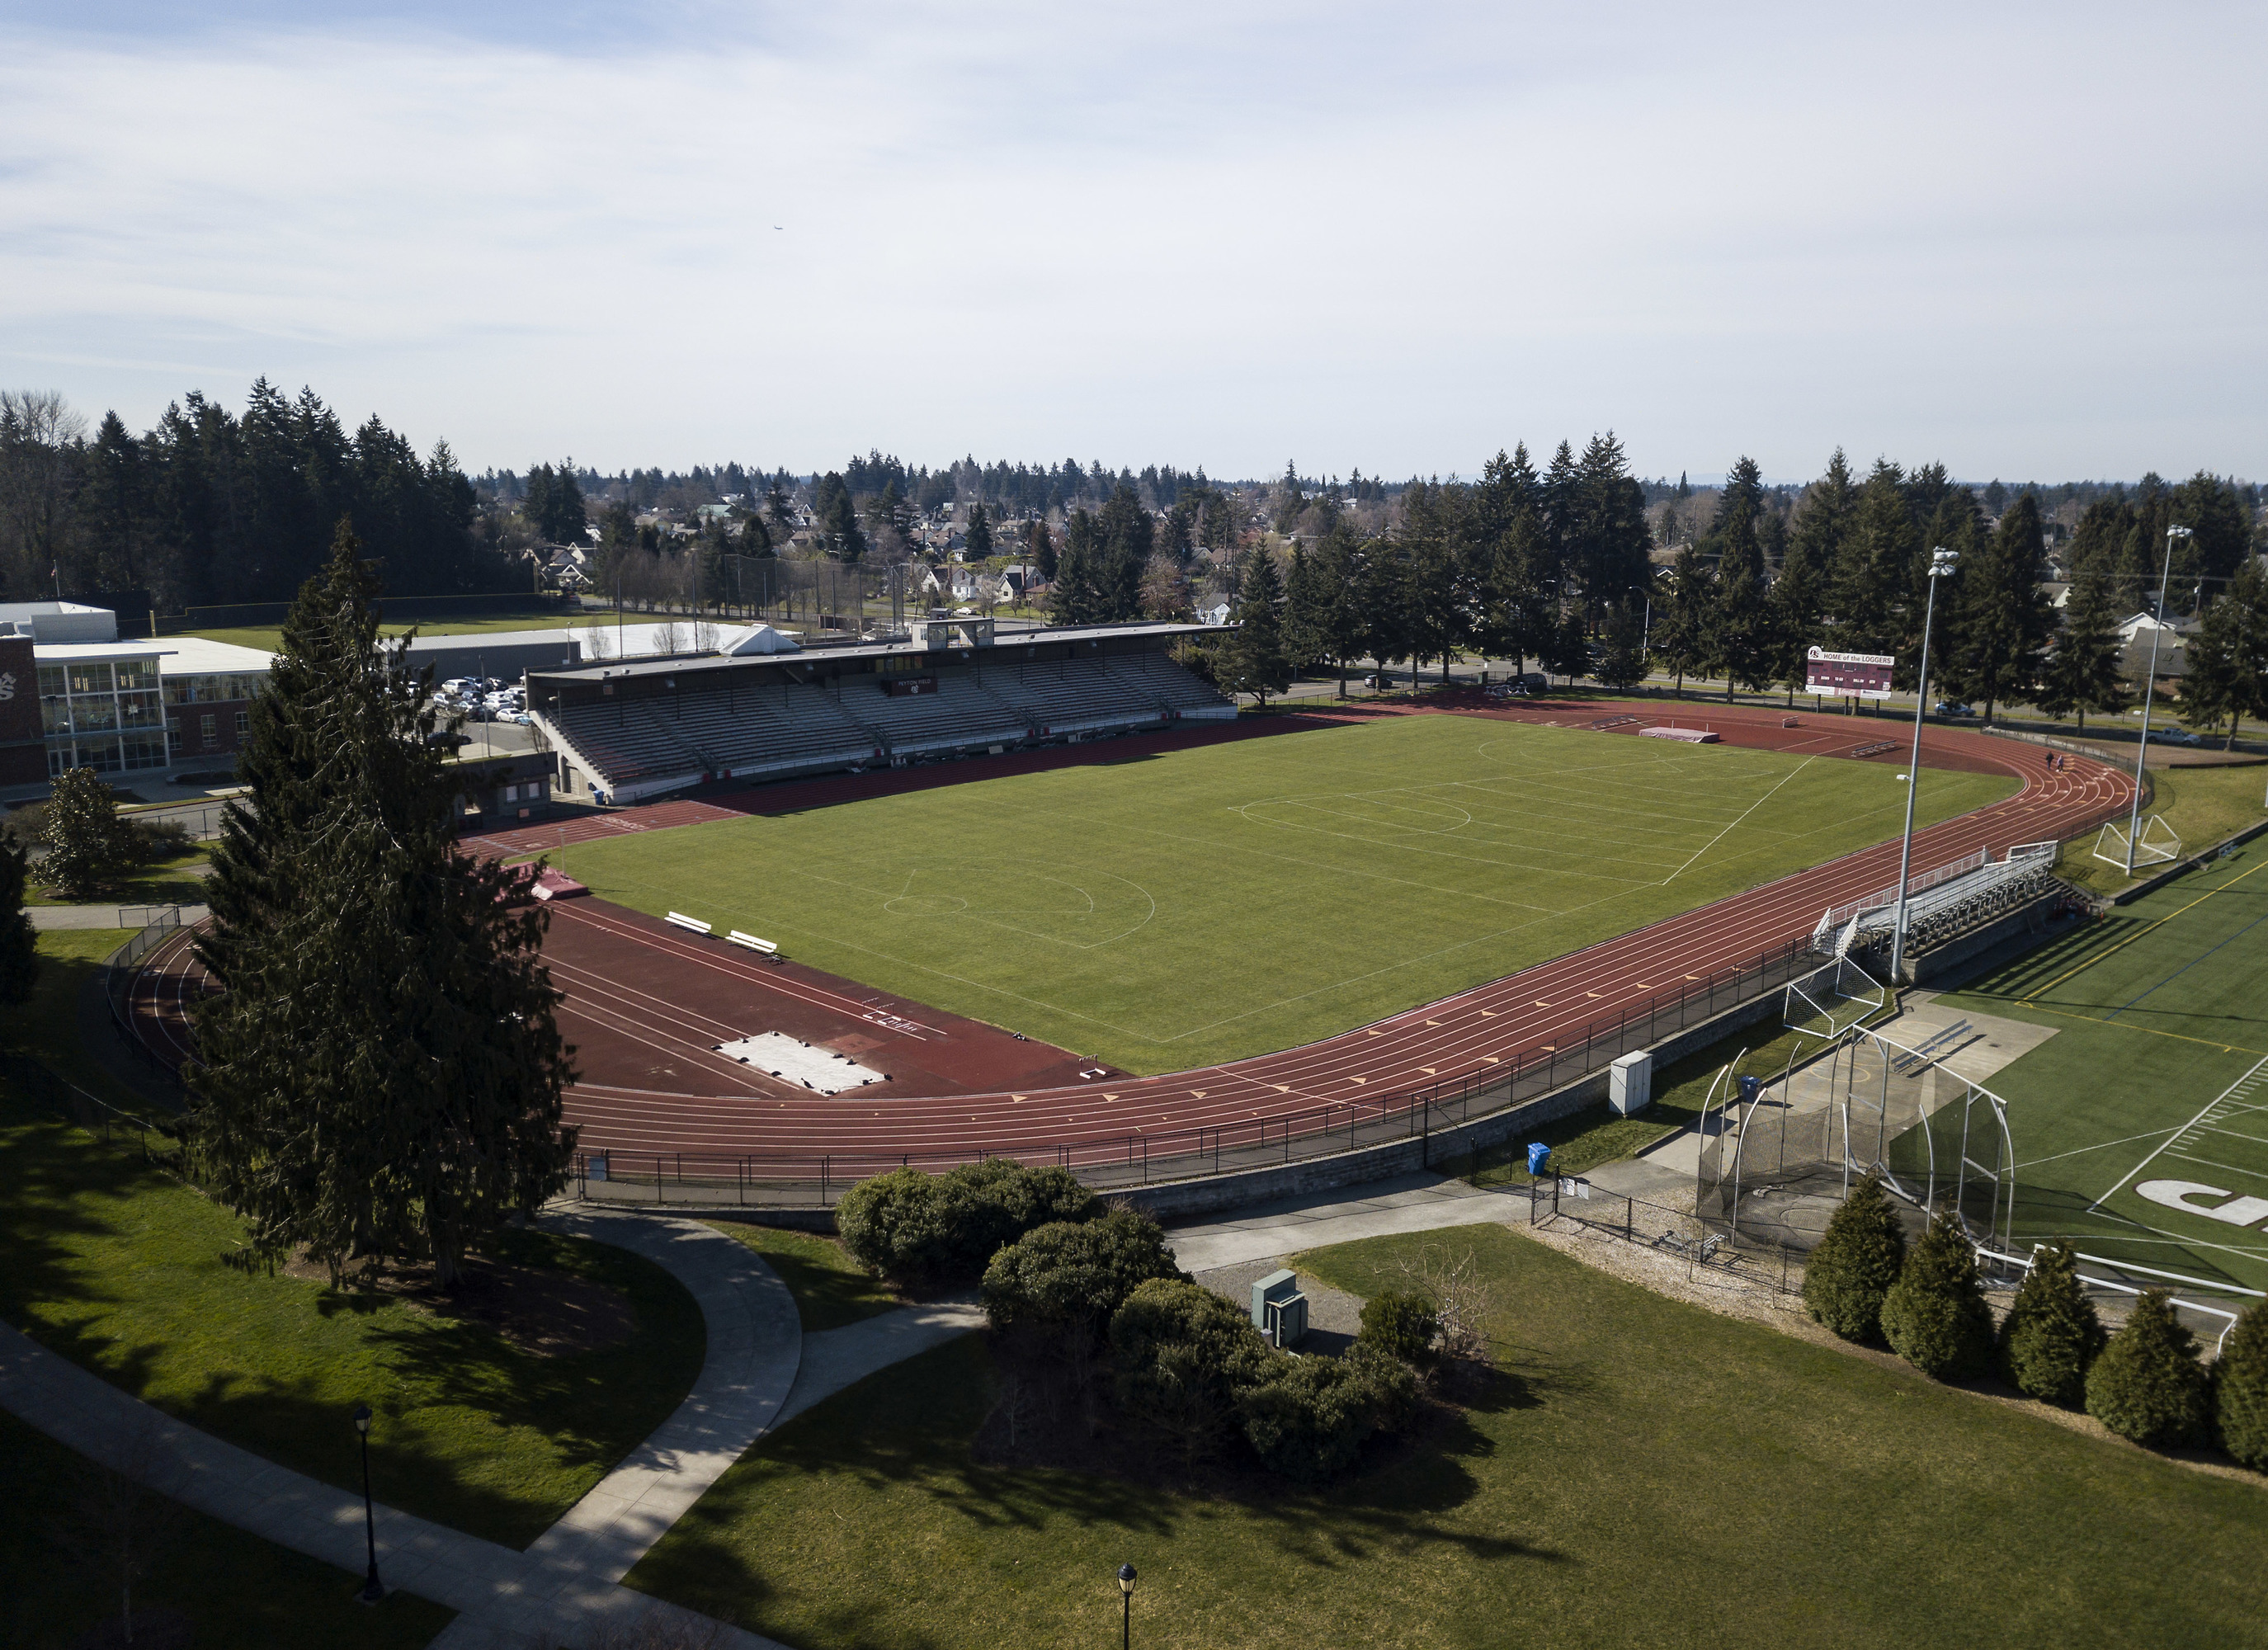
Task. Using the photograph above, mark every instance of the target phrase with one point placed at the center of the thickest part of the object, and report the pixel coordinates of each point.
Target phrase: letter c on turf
(2176, 1194)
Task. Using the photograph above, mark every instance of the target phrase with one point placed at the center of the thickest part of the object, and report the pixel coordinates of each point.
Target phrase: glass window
(54, 715)
(206, 725)
(101, 755)
(51, 681)
(140, 710)
(145, 750)
(137, 673)
(92, 711)
(90, 676)
(243, 723)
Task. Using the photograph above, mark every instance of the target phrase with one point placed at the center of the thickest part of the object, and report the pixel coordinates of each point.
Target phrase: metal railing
(123, 966)
(1121, 1162)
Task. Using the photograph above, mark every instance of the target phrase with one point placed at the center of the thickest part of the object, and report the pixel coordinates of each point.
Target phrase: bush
(1857, 1260)
(1403, 1326)
(86, 840)
(1181, 1355)
(150, 842)
(2148, 1385)
(2240, 1390)
(1074, 1276)
(1934, 1316)
(919, 1228)
(1306, 1418)
(2051, 1334)
(1393, 1388)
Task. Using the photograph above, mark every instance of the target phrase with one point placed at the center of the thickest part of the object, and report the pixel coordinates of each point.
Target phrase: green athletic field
(2157, 1074)
(1186, 906)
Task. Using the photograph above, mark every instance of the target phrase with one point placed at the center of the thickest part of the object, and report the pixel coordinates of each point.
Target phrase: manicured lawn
(2158, 1016)
(268, 637)
(46, 1027)
(120, 1269)
(1204, 903)
(830, 1288)
(168, 882)
(241, 1591)
(2203, 804)
(1645, 1473)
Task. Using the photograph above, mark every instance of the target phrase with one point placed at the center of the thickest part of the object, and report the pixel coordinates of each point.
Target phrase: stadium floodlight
(1942, 563)
(2149, 689)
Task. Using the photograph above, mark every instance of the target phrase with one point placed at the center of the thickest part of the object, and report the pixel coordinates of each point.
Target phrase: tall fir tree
(2082, 672)
(1870, 571)
(2228, 658)
(1680, 618)
(1738, 639)
(19, 946)
(381, 1073)
(2004, 621)
(978, 543)
(1251, 659)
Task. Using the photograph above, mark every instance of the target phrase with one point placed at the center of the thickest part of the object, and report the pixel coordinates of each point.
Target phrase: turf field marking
(2192, 962)
(2100, 1145)
(2147, 1031)
(2149, 929)
(1752, 807)
(2242, 1083)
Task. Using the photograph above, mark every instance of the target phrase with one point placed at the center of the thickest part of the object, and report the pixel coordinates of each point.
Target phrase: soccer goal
(1830, 1000)
(2157, 844)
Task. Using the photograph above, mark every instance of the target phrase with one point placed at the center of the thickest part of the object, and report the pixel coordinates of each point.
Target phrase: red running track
(709, 1106)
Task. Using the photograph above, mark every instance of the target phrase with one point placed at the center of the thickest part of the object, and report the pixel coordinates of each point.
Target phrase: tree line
(210, 506)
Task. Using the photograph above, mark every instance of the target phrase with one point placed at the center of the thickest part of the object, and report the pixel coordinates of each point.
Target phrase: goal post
(2156, 846)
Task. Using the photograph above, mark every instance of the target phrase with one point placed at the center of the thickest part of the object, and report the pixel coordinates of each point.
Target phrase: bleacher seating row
(645, 745)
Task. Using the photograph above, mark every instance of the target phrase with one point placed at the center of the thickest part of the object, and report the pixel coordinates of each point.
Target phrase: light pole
(1645, 637)
(1942, 564)
(1126, 1611)
(372, 1590)
(2149, 690)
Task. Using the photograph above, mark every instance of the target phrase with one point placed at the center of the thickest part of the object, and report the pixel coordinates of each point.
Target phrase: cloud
(2016, 241)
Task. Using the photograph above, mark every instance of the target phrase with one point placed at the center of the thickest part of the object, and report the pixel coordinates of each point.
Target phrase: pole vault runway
(647, 1003)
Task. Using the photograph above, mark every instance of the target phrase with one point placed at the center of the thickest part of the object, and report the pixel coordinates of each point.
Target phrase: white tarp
(793, 1061)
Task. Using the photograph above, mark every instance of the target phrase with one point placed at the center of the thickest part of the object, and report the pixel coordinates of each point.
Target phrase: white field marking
(2056, 1157)
(1008, 927)
(1412, 848)
(1728, 830)
(2214, 1164)
(2233, 1134)
(1637, 820)
(2235, 1091)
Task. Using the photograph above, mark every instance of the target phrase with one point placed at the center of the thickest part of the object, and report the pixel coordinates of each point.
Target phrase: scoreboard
(1848, 675)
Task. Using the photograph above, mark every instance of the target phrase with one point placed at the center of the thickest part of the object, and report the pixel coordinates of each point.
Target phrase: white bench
(694, 923)
(762, 947)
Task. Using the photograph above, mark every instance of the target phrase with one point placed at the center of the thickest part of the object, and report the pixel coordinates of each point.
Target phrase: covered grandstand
(626, 731)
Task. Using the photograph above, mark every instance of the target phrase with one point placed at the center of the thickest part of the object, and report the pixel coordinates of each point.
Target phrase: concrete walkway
(563, 1589)
(1409, 1202)
(46, 918)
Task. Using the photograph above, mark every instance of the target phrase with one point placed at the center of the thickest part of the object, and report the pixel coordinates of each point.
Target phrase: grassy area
(119, 1267)
(46, 1029)
(1208, 903)
(1594, 1135)
(268, 637)
(2157, 1012)
(2203, 804)
(168, 882)
(830, 1289)
(1644, 1472)
(239, 1591)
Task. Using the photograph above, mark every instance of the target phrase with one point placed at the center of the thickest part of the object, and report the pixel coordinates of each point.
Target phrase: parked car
(1954, 707)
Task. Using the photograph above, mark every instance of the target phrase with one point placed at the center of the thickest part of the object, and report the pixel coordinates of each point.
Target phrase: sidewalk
(48, 918)
(1410, 1203)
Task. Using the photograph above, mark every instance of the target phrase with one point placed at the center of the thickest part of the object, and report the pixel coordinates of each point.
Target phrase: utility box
(1630, 1084)
(1272, 1299)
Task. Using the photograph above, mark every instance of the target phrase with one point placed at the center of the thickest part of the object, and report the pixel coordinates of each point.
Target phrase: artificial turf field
(1190, 906)
(2158, 1074)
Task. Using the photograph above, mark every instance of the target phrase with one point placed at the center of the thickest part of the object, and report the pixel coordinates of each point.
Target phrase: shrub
(1934, 1316)
(920, 1228)
(87, 843)
(1306, 1418)
(1393, 1388)
(1403, 1326)
(2148, 1385)
(1181, 1355)
(1074, 1276)
(1859, 1258)
(148, 842)
(2240, 1390)
(2051, 1333)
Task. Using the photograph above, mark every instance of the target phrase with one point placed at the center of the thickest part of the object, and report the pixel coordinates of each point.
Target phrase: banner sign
(1852, 676)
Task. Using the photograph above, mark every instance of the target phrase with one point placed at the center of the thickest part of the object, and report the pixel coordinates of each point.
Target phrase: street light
(2149, 689)
(1126, 1614)
(1941, 565)
(1645, 638)
(372, 1590)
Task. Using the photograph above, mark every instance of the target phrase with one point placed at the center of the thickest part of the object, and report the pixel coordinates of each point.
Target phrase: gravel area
(1333, 1314)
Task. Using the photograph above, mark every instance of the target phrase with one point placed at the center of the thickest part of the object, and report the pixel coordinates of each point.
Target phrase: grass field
(1200, 904)
(1643, 1473)
(2203, 805)
(268, 637)
(830, 1289)
(2157, 1074)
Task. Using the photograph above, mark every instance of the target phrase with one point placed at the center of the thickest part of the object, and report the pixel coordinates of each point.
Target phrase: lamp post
(1942, 564)
(2149, 691)
(1126, 1611)
(1645, 637)
(372, 1590)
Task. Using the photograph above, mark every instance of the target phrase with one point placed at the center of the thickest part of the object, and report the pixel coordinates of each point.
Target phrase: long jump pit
(680, 1038)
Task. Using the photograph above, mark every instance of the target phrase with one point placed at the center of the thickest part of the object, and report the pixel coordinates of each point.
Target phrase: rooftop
(684, 664)
(178, 655)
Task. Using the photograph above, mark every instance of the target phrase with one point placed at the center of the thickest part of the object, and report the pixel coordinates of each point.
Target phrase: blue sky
(2026, 240)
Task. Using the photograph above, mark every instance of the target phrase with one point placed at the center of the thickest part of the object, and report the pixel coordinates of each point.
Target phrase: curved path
(1444, 1041)
(565, 1589)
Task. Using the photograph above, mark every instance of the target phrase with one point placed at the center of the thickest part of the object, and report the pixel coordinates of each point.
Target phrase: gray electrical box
(1287, 1321)
(1275, 1287)
(1630, 1084)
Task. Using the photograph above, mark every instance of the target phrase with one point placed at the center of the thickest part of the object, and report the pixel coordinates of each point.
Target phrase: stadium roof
(683, 664)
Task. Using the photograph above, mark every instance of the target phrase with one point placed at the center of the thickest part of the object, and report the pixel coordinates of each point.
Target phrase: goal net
(2156, 846)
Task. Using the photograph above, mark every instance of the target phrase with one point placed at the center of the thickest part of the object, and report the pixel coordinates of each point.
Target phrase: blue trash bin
(1539, 1156)
(1750, 1088)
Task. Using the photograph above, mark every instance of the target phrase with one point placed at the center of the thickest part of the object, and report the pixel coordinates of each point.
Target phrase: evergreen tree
(2051, 1334)
(2227, 659)
(1567, 649)
(1934, 1316)
(87, 843)
(1074, 598)
(978, 545)
(1125, 534)
(1858, 1259)
(1040, 549)
(19, 953)
(1387, 603)
(2003, 619)
(2241, 1389)
(382, 1071)
(2082, 674)
(1681, 624)
(1337, 570)
(1306, 615)
(1738, 636)
(1622, 661)
(1867, 582)
(780, 507)
(2147, 1386)
(1252, 658)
